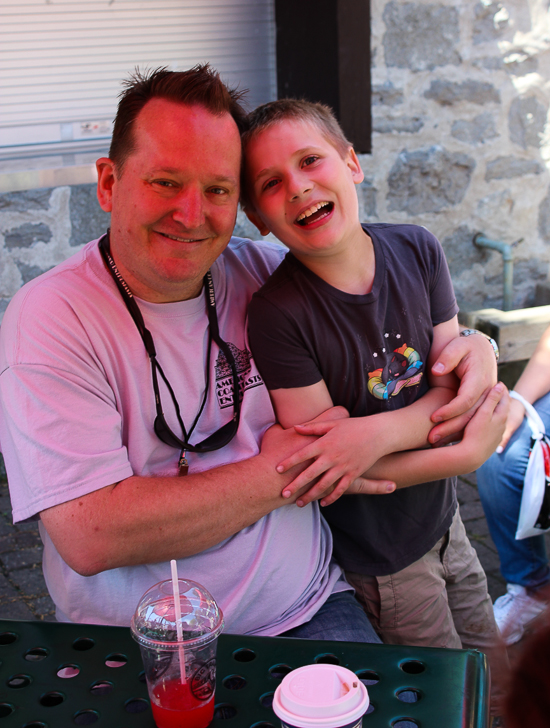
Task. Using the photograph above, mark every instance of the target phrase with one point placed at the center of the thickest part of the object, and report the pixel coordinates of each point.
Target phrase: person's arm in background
(532, 385)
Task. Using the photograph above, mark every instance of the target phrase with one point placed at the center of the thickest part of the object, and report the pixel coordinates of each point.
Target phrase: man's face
(173, 206)
(302, 189)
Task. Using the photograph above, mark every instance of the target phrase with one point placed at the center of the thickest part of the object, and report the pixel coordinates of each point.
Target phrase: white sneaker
(514, 611)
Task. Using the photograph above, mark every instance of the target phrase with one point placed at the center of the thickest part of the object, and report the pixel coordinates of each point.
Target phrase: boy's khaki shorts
(439, 601)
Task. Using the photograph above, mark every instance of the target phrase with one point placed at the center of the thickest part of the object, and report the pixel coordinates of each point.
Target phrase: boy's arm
(347, 448)
(481, 436)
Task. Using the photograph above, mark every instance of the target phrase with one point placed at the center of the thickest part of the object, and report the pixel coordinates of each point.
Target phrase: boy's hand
(473, 360)
(339, 458)
(486, 428)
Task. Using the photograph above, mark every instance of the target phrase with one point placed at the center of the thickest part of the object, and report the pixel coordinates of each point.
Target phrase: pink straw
(177, 606)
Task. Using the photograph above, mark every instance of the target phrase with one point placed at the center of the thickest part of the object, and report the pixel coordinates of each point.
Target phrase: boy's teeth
(310, 211)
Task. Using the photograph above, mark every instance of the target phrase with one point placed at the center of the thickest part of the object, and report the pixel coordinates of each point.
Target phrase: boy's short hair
(275, 112)
(200, 85)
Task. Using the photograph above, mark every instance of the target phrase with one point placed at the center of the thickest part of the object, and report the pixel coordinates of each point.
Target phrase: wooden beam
(516, 332)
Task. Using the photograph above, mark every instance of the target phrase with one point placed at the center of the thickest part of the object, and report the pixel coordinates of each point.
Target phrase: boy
(355, 316)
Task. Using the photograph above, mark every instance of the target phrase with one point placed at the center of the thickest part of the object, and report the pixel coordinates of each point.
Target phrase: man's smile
(182, 240)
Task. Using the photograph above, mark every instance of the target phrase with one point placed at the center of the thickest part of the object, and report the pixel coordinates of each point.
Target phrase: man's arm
(151, 519)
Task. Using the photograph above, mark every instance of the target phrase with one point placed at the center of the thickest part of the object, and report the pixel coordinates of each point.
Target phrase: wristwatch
(469, 332)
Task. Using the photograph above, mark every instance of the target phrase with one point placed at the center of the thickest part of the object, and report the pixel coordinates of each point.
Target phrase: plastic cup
(180, 674)
(321, 696)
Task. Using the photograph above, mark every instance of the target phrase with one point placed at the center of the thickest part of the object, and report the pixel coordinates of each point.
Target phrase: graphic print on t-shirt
(403, 368)
(224, 380)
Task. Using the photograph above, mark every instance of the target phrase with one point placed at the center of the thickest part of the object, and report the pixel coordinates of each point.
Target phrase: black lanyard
(225, 434)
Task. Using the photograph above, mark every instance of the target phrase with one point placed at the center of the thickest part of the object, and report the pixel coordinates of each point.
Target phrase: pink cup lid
(320, 695)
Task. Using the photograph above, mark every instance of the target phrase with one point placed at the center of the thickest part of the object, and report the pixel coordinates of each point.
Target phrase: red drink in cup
(179, 652)
(175, 706)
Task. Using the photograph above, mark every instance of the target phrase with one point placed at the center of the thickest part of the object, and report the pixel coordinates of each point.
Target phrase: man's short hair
(199, 85)
(274, 112)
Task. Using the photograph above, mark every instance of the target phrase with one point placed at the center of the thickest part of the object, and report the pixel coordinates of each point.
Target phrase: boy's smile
(302, 189)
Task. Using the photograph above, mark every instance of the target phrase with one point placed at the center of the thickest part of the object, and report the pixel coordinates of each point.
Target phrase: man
(105, 399)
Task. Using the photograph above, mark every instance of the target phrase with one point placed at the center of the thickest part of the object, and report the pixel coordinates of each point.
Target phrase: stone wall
(461, 144)
(41, 228)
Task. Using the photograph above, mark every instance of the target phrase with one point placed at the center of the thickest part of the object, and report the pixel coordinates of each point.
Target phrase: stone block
(428, 180)
(509, 167)
(447, 93)
(5, 506)
(477, 131)
(529, 271)
(544, 219)
(28, 272)
(366, 193)
(542, 294)
(420, 37)
(386, 94)
(88, 221)
(7, 543)
(26, 235)
(7, 590)
(490, 21)
(471, 510)
(466, 492)
(30, 582)
(477, 527)
(17, 559)
(519, 63)
(23, 201)
(526, 121)
(404, 124)
(44, 608)
(15, 609)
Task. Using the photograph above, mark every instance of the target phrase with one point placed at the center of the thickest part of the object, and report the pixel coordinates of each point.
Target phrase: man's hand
(473, 360)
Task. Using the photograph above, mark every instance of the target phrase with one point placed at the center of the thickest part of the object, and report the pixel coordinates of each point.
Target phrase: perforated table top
(58, 675)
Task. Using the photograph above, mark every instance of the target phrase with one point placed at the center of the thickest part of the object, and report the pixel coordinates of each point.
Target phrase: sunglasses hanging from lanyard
(227, 432)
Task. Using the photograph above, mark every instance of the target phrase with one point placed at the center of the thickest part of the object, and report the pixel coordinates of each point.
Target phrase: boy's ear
(105, 180)
(353, 163)
(255, 219)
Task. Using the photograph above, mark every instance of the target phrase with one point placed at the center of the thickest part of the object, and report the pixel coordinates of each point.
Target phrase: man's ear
(105, 181)
(353, 163)
(255, 219)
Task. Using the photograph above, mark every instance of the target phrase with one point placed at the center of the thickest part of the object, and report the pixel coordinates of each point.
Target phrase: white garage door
(61, 61)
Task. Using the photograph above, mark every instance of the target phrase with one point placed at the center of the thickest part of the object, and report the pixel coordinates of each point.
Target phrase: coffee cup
(321, 696)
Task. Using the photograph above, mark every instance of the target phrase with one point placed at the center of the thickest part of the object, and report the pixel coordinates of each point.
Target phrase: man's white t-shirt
(77, 415)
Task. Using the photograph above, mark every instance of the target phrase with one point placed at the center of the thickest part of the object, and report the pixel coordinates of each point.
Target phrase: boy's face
(302, 190)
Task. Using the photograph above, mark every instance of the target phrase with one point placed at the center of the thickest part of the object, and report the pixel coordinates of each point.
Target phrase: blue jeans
(500, 485)
(341, 618)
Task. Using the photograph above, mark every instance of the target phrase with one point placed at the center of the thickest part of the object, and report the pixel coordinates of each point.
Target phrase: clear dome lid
(154, 621)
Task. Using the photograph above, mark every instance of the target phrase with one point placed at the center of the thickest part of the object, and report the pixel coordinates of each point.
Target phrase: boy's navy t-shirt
(372, 351)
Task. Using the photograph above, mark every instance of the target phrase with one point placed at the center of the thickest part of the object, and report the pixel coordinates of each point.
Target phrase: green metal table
(56, 675)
